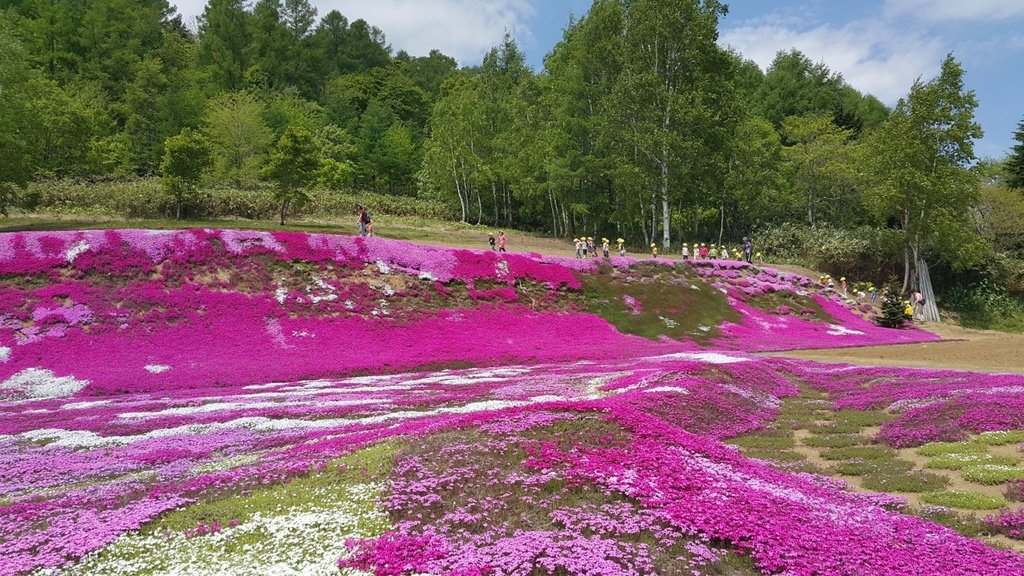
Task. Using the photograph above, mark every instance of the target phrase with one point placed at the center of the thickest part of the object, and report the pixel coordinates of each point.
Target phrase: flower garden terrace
(219, 402)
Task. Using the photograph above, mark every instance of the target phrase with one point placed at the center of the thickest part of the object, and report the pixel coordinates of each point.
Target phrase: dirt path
(964, 349)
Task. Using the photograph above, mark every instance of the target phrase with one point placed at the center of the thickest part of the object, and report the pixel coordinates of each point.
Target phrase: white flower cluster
(38, 383)
(304, 540)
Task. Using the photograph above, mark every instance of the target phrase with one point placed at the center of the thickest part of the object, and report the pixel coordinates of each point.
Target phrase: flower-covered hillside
(614, 467)
(131, 310)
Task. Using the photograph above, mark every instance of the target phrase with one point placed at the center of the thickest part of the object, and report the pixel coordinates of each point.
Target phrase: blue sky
(880, 46)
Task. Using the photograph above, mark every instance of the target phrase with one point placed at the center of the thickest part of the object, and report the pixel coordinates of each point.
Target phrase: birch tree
(918, 169)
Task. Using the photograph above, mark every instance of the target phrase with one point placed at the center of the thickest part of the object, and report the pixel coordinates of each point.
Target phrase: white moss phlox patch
(37, 383)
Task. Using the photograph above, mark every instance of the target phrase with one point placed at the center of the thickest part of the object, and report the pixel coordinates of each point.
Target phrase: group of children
(499, 244)
(587, 248)
(705, 252)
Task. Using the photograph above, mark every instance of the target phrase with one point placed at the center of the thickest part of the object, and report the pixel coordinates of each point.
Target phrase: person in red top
(501, 241)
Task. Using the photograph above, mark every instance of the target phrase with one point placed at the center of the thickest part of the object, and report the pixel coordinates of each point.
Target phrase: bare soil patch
(963, 349)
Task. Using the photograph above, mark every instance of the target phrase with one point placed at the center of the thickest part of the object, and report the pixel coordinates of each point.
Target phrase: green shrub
(858, 453)
(1001, 438)
(912, 481)
(964, 499)
(835, 440)
(991, 474)
(941, 448)
(958, 461)
(762, 441)
(144, 198)
(881, 466)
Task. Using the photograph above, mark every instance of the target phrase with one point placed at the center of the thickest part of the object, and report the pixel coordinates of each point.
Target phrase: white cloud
(874, 57)
(942, 10)
(464, 29)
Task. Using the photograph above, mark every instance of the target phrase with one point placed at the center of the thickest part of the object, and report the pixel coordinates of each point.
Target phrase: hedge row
(145, 198)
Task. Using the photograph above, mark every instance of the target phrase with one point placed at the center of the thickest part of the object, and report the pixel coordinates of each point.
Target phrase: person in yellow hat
(622, 246)
(686, 251)
(654, 250)
(604, 247)
(579, 247)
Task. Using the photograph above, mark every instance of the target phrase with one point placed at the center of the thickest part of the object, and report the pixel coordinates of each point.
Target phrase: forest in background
(639, 125)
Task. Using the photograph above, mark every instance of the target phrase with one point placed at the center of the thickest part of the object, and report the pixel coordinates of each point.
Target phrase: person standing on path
(604, 247)
(686, 251)
(622, 247)
(501, 241)
(490, 240)
(748, 250)
(364, 219)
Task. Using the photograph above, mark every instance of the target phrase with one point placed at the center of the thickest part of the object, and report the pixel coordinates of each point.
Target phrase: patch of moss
(991, 474)
(959, 461)
(964, 499)
(1000, 438)
(942, 448)
(858, 453)
(772, 301)
(672, 301)
(910, 481)
(835, 440)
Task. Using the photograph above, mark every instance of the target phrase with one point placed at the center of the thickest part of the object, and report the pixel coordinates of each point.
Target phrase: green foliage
(964, 499)
(238, 135)
(822, 158)
(992, 473)
(893, 310)
(987, 305)
(917, 169)
(882, 480)
(958, 461)
(943, 448)
(1000, 438)
(858, 453)
(186, 158)
(143, 198)
(834, 440)
(665, 302)
(1015, 162)
(293, 167)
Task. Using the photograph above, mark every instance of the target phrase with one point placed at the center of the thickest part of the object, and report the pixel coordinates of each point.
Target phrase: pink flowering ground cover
(529, 415)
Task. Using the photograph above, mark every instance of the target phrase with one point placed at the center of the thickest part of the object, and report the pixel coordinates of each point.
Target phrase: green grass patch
(774, 455)
(858, 453)
(302, 523)
(672, 301)
(883, 466)
(1000, 438)
(992, 474)
(762, 441)
(959, 461)
(964, 499)
(835, 440)
(908, 481)
(770, 302)
(942, 448)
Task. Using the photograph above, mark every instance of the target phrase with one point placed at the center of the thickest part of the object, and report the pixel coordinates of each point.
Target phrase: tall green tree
(674, 99)
(294, 167)
(1015, 162)
(238, 136)
(918, 169)
(820, 155)
(15, 73)
(186, 158)
(224, 39)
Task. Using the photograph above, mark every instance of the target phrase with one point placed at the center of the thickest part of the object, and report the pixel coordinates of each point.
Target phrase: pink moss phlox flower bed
(932, 405)
(142, 371)
(192, 308)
